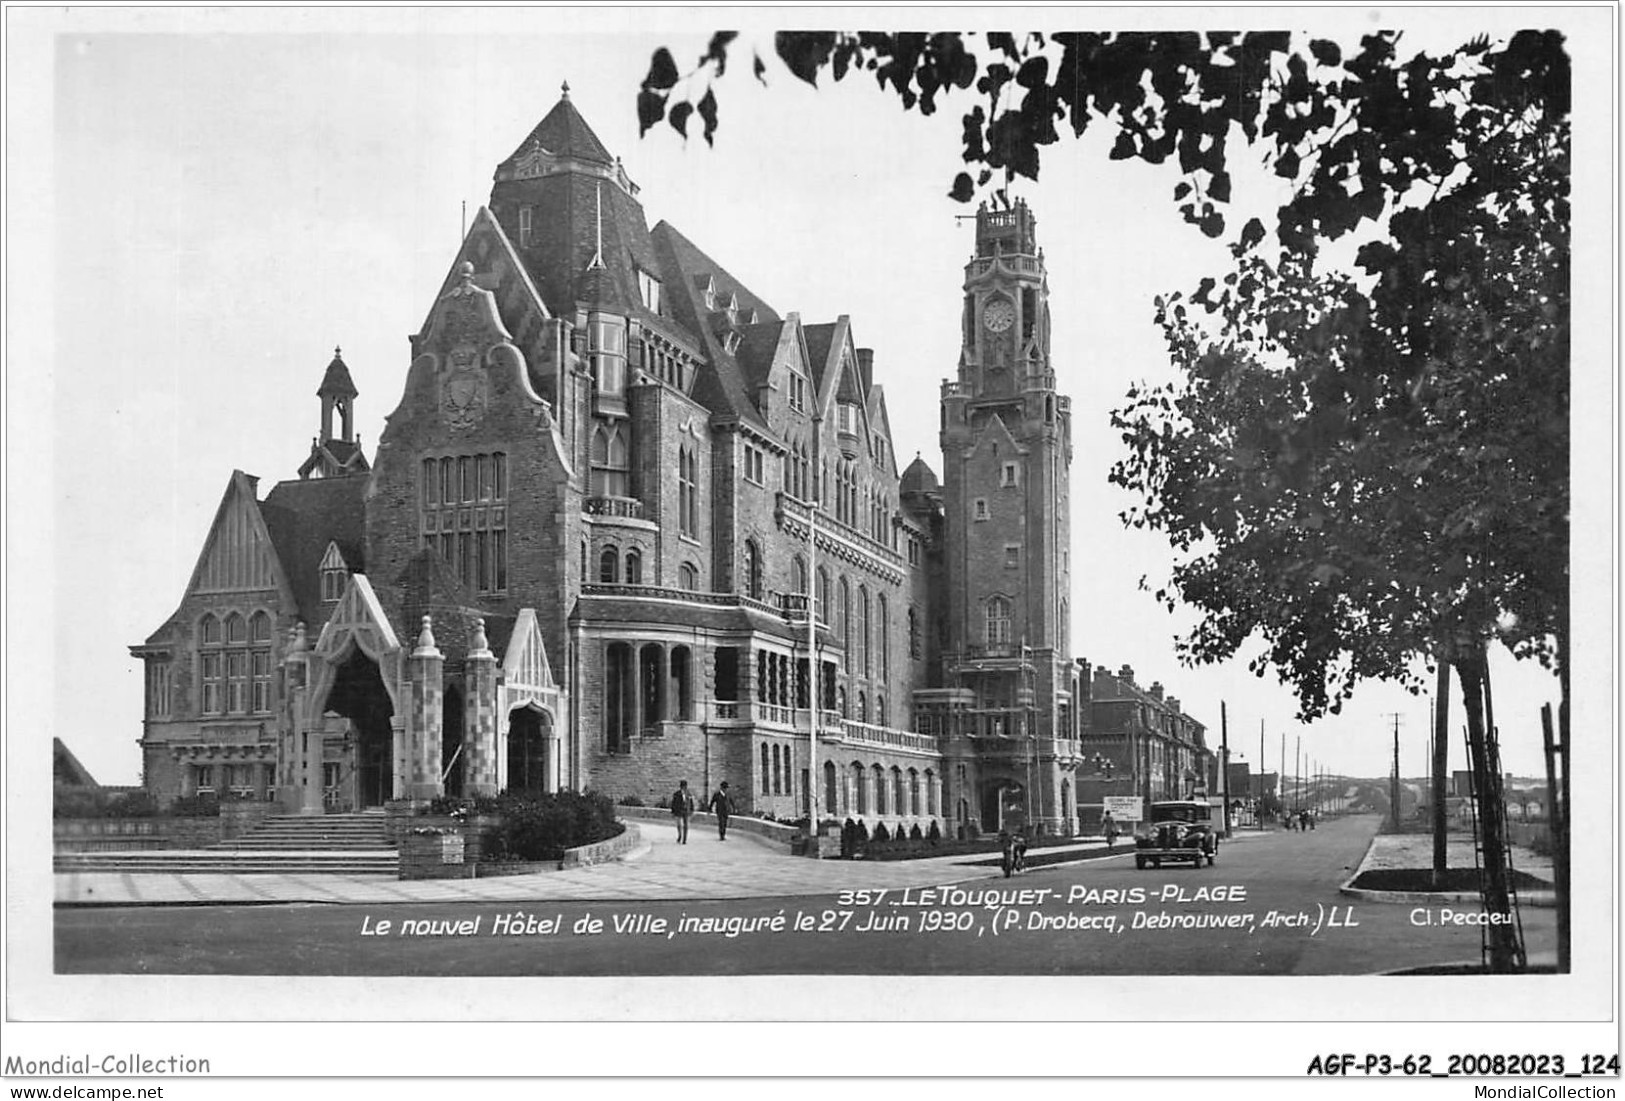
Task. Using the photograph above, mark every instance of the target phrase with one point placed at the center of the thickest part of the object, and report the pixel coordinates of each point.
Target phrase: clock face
(999, 315)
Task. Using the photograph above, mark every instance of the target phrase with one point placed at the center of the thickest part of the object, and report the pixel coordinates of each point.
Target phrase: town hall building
(628, 524)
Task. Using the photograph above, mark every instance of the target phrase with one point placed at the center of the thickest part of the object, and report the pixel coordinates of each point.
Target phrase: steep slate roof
(757, 344)
(66, 769)
(337, 380)
(722, 386)
(563, 133)
(302, 517)
(919, 478)
(818, 341)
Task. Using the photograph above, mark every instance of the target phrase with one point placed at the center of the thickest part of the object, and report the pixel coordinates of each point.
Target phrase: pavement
(1415, 850)
(744, 866)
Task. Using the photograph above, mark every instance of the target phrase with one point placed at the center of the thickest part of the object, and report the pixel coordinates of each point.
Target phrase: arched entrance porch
(364, 768)
(529, 749)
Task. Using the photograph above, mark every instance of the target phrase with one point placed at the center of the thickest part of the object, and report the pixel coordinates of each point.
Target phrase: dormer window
(730, 341)
(649, 291)
(798, 392)
(334, 572)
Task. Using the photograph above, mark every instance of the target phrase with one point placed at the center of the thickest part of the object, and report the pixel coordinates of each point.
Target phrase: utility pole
(1224, 764)
(1393, 784)
(1297, 772)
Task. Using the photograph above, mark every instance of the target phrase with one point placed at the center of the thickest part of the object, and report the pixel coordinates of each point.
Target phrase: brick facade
(603, 434)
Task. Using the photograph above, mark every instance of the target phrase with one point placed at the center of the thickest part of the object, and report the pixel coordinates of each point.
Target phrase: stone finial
(564, 90)
(479, 646)
(466, 271)
(338, 353)
(300, 643)
(426, 636)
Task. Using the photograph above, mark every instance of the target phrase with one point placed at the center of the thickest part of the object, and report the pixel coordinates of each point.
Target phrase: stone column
(480, 735)
(427, 669)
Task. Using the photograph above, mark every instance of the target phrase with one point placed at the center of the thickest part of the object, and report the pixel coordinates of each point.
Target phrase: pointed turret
(333, 456)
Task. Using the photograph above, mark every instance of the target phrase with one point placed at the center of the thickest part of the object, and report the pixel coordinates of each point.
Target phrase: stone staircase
(346, 844)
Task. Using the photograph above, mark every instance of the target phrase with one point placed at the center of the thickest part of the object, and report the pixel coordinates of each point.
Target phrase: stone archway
(358, 694)
(529, 749)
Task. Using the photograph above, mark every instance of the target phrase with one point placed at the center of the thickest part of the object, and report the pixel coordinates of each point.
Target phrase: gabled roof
(66, 769)
(722, 386)
(757, 345)
(564, 133)
(303, 517)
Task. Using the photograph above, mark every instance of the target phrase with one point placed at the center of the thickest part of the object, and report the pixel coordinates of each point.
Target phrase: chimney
(1156, 690)
(866, 369)
(1173, 704)
(1126, 674)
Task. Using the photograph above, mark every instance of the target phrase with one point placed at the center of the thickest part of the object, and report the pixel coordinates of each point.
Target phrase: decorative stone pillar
(423, 728)
(480, 721)
(306, 747)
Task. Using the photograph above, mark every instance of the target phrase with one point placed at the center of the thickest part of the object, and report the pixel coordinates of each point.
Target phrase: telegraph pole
(1224, 764)
(1393, 784)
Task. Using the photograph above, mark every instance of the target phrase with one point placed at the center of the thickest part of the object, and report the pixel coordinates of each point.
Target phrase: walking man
(682, 808)
(721, 805)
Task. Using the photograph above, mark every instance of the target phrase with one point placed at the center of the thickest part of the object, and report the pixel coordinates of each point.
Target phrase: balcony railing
(624, 508)
(885, 737)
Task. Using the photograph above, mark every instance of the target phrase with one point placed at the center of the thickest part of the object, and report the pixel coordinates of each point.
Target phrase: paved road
(1097, 918)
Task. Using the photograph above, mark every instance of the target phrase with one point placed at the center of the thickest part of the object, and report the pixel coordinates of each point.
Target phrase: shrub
(195, 806)
(881, 834)
(629, 801)
(934, 834)
(541, 827)
(447, 806)
(132, 804)
(914, 833)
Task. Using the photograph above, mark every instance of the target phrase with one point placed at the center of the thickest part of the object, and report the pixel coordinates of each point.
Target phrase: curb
(1534, 898)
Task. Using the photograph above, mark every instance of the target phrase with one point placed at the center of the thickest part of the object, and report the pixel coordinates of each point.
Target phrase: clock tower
(1007, 451)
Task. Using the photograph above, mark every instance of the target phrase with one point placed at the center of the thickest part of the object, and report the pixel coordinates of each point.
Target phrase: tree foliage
(1359, 476)
(1352, 129)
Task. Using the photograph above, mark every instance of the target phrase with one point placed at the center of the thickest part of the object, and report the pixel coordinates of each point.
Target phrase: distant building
(1139, 742)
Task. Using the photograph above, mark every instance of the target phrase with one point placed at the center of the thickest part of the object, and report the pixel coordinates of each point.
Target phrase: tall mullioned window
(688, 500)
(463, 514)
(998, 622)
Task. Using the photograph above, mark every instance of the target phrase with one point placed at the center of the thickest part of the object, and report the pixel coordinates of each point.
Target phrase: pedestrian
(682, 808)
(1108, 826)
(721, 804)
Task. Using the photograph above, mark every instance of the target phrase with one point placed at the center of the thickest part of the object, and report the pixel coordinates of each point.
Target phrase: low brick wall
(436, 856)
(600, 852)
(134, 834)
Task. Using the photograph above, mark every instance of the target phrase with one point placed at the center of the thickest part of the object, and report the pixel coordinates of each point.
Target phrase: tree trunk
(1496, 891)
(1441, 762)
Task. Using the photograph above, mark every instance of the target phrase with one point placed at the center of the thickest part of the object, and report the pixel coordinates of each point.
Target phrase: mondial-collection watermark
(83, 1066)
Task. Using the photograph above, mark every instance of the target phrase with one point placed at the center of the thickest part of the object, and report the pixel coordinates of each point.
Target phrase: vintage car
(1180, 829)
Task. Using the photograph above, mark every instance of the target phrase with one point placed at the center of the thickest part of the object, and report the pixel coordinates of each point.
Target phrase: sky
(224, 197)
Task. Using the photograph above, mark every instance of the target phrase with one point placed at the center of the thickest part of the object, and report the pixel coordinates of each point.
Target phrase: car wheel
(1212, 856)
(1139, 862)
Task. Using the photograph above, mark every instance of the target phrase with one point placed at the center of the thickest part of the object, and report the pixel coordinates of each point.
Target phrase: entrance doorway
(359, 695)
(452, 757)
(530, 732)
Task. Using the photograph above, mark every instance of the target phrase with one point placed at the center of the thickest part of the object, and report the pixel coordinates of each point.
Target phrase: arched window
(930, 792)
(998, 622)
(913, 635)
(688, 499)
(798, 575)
(880, 709)
(864, 632)
(753, 570)
(844, 614)
(899, 802)
(688, 577)
(778, 770)
(860, 797)
(619, 698)
(823, 595)
(879, 774)
(210, 631)
(884, 639)
(236, 628)
(1063, 625)
(611, 463)
(634, 568)
(609, 567)
(765, 788)
(863, 708)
